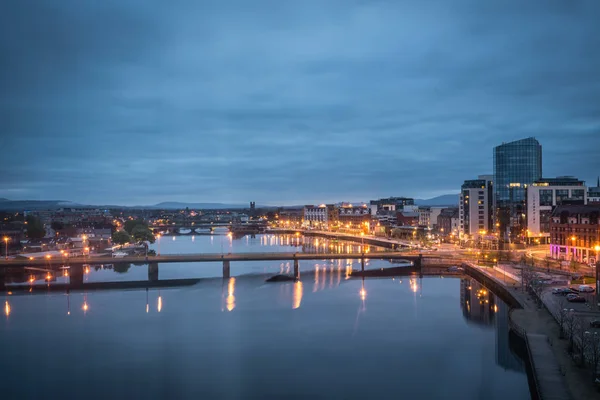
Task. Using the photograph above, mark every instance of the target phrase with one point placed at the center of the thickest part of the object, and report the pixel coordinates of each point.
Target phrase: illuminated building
(517, 165)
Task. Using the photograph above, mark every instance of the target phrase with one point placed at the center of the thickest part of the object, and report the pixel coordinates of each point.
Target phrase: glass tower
(516, 165)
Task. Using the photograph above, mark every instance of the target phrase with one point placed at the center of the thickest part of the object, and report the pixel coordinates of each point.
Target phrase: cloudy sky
(289, 102)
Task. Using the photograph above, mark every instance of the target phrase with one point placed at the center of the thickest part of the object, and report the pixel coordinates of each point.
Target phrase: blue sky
(288, 102)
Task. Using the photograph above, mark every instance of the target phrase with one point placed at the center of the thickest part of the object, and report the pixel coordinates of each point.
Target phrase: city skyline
(289, 104)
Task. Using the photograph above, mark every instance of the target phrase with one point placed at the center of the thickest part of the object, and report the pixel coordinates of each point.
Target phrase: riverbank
(533, 320)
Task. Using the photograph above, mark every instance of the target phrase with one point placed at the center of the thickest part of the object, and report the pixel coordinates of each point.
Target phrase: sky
(289, 102)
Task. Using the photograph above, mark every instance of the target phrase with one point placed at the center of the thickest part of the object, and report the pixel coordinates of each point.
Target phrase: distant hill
(34, 205)
(444, 200)
(204, 206)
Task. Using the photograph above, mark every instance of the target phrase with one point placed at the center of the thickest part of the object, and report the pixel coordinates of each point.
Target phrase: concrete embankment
(546, 379)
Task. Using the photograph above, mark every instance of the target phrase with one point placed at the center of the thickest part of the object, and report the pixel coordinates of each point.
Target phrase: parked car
(455, 269)
(585, 289)
(563, 291)
(575, 299)
(595, 323)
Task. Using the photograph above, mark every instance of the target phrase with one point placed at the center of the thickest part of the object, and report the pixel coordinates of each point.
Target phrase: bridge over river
(416, 260)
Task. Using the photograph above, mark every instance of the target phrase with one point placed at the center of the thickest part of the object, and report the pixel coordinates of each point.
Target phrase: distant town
(513, 207)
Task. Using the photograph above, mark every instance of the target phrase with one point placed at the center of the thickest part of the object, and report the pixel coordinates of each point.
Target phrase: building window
(545, 197)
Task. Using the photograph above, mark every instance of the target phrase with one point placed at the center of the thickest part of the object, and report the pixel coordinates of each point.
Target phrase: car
(455, 269)
(595, 323)
(569, 295)
(564, 291)
(576, 299)
(584, 289)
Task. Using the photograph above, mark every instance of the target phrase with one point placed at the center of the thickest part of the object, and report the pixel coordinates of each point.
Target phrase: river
(326, 336)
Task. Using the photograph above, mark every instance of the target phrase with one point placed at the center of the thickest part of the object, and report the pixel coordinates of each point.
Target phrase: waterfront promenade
(555, 375)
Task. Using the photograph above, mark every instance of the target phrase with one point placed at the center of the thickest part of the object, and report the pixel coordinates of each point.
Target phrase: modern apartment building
(475, 208)
(542, 198)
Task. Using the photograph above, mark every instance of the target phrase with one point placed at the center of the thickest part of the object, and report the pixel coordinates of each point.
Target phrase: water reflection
(483, 308)
(159, 303)
(230, 300)
(297, 296)
(6, 308)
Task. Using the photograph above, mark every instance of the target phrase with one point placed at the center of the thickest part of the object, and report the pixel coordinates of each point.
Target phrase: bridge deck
(171, 258)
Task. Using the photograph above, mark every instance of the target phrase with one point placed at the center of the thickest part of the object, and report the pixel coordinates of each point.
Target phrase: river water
(324, 337)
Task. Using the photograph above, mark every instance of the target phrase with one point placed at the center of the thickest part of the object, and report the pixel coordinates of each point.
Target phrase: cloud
(285, 102)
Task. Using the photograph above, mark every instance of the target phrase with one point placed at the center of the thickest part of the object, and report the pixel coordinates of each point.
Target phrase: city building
(428, 215)
(542, 198)
(516, 165)
(407, 218)
(322, 216)
(350, 216)
(390, 204)
(291, 217)
(575, 233)
(424, 216)
(594, 193)
(448, 222)
(475, 208)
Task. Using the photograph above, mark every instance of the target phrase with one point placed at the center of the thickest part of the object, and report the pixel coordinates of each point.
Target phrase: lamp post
(597, 248)
(6, 239)
(158, 240)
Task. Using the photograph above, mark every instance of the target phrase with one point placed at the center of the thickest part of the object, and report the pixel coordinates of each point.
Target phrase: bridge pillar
(418, 263)
(76, 275)
(226, 269)
(153, 272)
(296, 269)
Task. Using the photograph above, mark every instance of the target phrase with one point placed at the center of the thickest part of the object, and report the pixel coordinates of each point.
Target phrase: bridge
(226, 259)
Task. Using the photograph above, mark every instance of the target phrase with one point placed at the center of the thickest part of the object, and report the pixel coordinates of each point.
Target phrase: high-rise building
(594, 193)
(542, 198)
(475, 208)
(516, 165)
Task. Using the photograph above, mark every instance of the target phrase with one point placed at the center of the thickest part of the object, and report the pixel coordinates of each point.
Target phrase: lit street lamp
(6, 239)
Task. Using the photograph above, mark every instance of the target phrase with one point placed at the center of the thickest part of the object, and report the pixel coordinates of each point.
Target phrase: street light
(6, 239)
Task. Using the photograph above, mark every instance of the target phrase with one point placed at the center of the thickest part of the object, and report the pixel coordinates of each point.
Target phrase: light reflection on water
(243, 338)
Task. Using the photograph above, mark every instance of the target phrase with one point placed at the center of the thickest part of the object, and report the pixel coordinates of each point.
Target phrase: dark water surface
(325, 337)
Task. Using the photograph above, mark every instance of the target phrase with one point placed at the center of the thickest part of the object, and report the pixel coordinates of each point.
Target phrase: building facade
(291, 217)
(516, 165)
(390, 204)
(475, 208)
(575, 233)
(322, 216)
(354, 216)
(594, 193)
(447, 222)
(542, 198)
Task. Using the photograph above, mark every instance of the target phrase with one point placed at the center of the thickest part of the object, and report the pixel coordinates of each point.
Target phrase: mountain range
(31, 205)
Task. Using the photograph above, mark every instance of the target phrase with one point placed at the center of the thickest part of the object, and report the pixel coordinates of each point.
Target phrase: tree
(131, 224)
(35, 228)
(57, 225)
(593, 343)
(574, 266)
(121, 268)
(562, 316)
(142, 234)
(120, 237)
